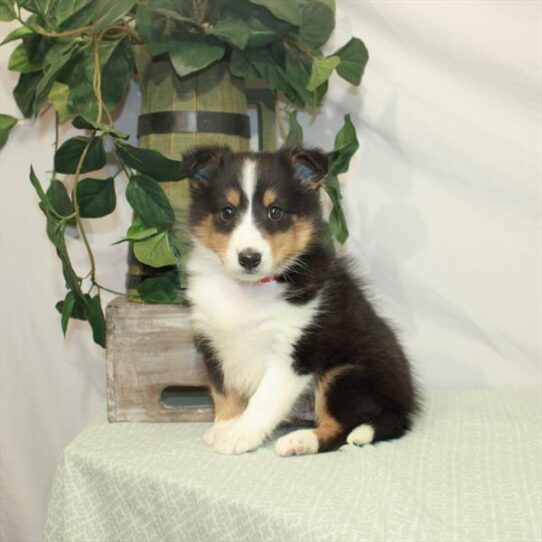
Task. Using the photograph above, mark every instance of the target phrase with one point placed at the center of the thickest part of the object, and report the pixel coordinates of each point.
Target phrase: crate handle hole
(186, 397)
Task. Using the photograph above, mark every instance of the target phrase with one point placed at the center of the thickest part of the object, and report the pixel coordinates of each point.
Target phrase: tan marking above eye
(269, 197)
(233, 196)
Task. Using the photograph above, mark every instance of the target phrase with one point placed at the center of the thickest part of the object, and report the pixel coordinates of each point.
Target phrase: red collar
(266, 280)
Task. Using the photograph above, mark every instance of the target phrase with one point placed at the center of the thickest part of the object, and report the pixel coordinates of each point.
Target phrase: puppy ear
(201, 163)
(310, 166)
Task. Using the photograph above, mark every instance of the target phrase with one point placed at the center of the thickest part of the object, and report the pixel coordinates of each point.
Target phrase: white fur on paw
(218, 427)
(299, 442)
(362, 434)
(236, 439)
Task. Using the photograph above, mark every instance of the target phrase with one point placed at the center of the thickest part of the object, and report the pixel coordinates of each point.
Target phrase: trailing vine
(78, 58)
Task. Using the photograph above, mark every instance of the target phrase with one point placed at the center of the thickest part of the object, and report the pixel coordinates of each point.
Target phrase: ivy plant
(78, 57)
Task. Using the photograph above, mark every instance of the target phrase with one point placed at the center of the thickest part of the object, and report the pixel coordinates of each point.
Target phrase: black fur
(377, 388)
(212, 363)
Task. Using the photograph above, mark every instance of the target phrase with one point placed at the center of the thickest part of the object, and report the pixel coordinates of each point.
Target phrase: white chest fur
(250, 325)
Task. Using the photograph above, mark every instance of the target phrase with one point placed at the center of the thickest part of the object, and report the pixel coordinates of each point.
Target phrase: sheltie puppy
(274, 311)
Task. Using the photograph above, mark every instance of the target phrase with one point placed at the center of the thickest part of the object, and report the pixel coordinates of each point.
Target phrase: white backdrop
(443, 201)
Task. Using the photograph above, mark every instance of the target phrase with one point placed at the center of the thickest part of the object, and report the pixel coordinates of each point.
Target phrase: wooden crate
(149, 350)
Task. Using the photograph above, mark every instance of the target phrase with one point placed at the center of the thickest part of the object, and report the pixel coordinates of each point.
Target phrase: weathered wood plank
(149, 348)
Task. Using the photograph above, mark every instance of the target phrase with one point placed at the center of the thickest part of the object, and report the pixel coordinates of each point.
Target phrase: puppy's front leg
(228, 407)
(272, 401)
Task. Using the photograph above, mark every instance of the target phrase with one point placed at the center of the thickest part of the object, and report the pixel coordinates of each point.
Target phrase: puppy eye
(274, 212)
(227, 213)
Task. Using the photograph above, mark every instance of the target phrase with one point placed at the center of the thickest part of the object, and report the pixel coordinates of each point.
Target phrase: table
(470, 471)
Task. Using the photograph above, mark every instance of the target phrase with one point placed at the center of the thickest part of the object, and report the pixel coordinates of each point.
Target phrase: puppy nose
(249, 259)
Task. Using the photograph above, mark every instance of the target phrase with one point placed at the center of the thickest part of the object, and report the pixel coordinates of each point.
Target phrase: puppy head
(257, 211)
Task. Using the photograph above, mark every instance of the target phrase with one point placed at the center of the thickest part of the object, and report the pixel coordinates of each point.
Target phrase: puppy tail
(387, 426)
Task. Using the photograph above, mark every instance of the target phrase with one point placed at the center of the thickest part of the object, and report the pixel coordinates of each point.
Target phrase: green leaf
(264, 27)
(172, 9)
(96, 319)
(139, 230)
(150, 27)
(354, 57)
(338, 225)
(322, 68)
(106, 13)
(68, 8)
(58, 196)
(295, 135)
(298, 70)
(39, 189)
(78, 76)
(7, 10)
(57, 58)
(155, 251)
(234, 31)
(76, 312)
(68, 155)
(272, 72)
(59, 96)
(149, 201)
(337, 221)
(7, 122)
(85, 124)
(96, 197)
(160, 290)
(37, 47)
(116, 75)
(19, 62)
(191, 56)
(35, 6)
(317, 23)
(83, 307)
(346, 144)
(116, 63)
(285, 10)
(25, 92)
(240, 66)
(17, 34)
(108, 49)
(331, 5)
(149, 162)
(99, 13)
(67, 309)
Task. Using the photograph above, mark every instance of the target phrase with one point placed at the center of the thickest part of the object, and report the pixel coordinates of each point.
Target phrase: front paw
(214, 432)
(237, 439)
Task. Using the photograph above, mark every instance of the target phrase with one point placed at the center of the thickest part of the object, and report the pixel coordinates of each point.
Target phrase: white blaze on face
(246, 234)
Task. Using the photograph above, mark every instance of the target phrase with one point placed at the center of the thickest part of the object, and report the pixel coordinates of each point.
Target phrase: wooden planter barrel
(209, 107)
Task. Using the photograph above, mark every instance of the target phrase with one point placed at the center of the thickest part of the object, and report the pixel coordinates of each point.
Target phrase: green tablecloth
(471, 471)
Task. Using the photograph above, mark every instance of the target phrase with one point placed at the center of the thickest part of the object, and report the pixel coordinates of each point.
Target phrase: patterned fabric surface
(470, 471)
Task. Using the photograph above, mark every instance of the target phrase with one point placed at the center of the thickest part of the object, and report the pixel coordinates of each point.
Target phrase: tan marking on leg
(227, 405)
(206, 233)
(269, 197)
(327, 427)
(285, 245)
(233, 196)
